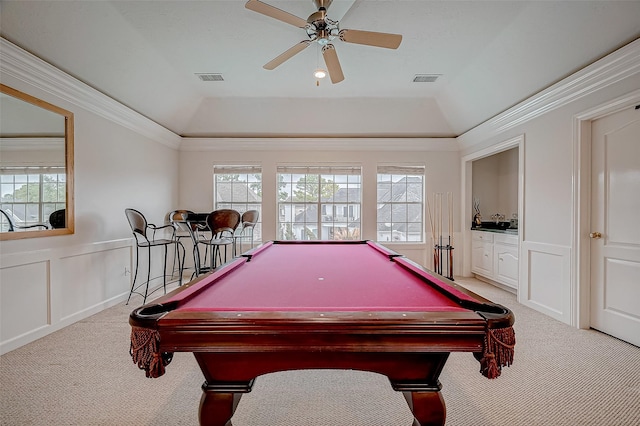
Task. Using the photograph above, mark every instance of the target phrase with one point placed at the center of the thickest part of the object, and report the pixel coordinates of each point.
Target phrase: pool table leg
(427, 407)
(220, 400)
(425, 401)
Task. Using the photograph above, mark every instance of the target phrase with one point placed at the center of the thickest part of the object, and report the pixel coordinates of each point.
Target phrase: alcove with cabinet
(494, 236)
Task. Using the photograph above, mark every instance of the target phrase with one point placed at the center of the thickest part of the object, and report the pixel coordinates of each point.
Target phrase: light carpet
(83, 375)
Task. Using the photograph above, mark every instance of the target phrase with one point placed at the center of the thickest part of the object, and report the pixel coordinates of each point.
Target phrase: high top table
(191, 221)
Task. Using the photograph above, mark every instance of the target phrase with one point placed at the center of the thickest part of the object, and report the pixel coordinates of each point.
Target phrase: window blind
(395, 169)
(32, 170)
(237, 169)
(321, 170)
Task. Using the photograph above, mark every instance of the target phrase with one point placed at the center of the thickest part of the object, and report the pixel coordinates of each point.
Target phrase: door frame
(581, 205)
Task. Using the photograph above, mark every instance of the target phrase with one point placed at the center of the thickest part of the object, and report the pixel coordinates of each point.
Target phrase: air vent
(425, 78)
(210, 77)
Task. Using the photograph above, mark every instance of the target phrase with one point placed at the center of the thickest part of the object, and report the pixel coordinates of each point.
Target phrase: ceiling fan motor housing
(317, 19)
(322, 4)
(320, 28)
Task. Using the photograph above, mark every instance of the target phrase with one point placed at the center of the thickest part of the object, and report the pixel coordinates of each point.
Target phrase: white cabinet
(495, 256)
(505, 259)
(482, 253)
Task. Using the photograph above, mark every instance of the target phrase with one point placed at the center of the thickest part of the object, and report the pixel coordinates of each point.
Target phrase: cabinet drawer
(482, 236)
(506, 239)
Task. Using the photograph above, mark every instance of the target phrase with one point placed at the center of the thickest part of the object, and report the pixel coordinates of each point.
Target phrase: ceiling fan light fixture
(319, 73)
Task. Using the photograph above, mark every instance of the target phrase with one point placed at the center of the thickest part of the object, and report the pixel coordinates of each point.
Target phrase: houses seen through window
(319, 202)
(400, 216)
(239, 188)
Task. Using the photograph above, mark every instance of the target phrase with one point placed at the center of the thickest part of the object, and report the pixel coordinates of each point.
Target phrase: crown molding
(319, 144)
(24, 66)
(609, 70)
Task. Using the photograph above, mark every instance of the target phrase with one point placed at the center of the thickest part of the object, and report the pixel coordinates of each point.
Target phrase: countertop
(509, 231)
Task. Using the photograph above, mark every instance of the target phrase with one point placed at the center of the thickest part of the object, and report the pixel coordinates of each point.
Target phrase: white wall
(495, 184)
(345, 117)
(123, 160)
(550, 279)
(441, 158)
(50, 282)
(508, 173)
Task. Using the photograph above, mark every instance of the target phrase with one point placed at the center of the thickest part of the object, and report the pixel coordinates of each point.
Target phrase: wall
(495, 184)
(551, 280)
(508, 182)
(50, 152)
(440, 156)
(123, 160)
(50, 282)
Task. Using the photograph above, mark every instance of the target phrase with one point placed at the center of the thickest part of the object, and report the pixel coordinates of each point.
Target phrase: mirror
(36, 167)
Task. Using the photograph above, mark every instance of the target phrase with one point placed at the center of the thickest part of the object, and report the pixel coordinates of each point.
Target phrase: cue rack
(443, 247)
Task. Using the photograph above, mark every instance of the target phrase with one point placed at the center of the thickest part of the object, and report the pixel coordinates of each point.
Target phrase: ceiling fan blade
(274, 12)
(288, 54)
(371, 38)
(333, 64)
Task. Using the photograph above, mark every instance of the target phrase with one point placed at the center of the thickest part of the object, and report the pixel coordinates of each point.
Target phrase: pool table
(288, 305)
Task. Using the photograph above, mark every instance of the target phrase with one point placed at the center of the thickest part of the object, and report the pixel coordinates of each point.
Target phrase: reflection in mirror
(36, 167)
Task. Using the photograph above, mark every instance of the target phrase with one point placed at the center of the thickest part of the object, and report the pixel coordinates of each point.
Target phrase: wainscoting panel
(545, 279)
(24, 299)
(91, 277)
(44, 291)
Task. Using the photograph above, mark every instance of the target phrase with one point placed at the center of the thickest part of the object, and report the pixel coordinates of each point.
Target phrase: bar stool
(178, 219)
(140, 228)
(245, 232)
(222, 224)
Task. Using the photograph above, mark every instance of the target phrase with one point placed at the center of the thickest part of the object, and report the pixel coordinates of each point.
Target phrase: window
(239, 188)
(400, 216)
(31, 194)
(319, 202)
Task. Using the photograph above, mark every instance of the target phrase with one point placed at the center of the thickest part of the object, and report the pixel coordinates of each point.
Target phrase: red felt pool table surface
(290, 305)
(317, 277)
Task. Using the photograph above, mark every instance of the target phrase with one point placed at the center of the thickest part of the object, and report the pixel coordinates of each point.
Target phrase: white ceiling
(490, 55)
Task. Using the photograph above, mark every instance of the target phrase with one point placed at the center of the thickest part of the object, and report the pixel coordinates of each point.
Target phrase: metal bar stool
(245, 232)
(222, 224)
(140, 228)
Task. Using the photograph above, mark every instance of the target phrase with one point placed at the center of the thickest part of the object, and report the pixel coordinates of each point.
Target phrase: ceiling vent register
(425, 78)
(210, 77)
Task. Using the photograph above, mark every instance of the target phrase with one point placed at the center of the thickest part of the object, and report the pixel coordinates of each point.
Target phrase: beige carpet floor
(83, 375)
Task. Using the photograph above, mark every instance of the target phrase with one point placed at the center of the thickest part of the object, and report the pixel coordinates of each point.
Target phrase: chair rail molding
(22, 65)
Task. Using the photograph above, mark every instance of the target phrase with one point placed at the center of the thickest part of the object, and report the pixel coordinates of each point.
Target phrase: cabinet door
(482, 258)
(506, 265)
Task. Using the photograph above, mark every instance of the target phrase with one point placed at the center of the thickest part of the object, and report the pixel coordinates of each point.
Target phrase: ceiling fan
(322, 30)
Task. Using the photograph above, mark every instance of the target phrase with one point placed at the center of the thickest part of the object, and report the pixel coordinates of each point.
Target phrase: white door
(615, 225)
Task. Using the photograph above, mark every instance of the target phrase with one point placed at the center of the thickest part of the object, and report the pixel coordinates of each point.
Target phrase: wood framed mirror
(36, 167)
